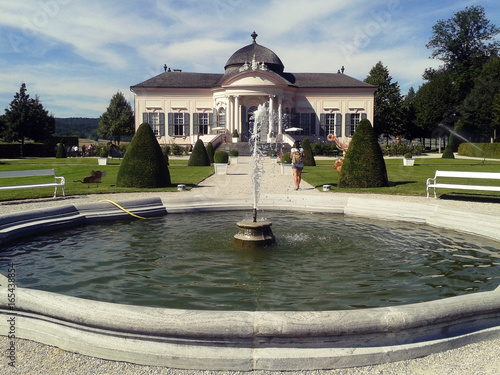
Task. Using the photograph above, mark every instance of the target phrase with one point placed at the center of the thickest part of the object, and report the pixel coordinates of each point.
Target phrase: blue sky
(75, 55)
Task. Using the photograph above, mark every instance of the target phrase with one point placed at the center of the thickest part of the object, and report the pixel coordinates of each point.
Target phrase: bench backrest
(14, 174)
(456, 174)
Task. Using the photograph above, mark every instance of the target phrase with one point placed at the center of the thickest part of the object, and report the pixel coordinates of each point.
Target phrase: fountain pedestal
(254, 234)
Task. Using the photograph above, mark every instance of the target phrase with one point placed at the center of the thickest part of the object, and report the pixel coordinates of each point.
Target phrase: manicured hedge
(480, 150)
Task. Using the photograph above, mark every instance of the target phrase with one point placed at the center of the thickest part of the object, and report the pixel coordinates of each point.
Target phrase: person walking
(297, 156)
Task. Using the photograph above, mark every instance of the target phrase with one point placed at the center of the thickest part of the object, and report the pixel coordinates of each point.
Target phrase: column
(237, 114)
(280, 114)
(229, 114)
(271, 114)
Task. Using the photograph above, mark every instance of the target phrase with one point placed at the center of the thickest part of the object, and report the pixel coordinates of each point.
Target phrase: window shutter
(162, 124)
(364, 116)
(195, 123)
(348, 125)
(170, 123)
(211, 117)
(312, 124)
(294, 119)
(322, 124)
(338, 125)
(186, 124)
(145, 117)
(215, 119)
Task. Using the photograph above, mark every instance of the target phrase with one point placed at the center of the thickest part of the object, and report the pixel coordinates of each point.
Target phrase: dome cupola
(257, 53)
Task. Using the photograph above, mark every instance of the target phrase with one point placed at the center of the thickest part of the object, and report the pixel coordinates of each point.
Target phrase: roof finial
(254, 36)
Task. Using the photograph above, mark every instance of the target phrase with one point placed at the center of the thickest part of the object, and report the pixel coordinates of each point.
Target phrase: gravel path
(35, 358)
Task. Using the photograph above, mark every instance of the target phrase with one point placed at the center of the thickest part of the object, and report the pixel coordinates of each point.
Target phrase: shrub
(176, 149)
(143, 165)
(480, 150)
(235, 133)
(364, 165)
(210, 152)
(408, 155)
(104, 153)
(448, 152)
(61, 151)
(272, 153)
(308, 154)
(286, 158)
(221, 157)
(233, 153)
(199, 156)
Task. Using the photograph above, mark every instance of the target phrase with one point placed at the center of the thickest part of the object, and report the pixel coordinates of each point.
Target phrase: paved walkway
(34, 358)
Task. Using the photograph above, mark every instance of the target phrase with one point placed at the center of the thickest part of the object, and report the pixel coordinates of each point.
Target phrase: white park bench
(21, 174)
(432, 183)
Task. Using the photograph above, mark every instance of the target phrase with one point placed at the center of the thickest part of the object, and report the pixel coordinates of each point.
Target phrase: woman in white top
(297, 156)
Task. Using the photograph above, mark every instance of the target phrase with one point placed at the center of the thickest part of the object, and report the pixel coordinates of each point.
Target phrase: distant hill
(80, 126)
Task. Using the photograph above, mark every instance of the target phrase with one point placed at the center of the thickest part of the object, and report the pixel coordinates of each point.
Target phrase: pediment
(255, 78)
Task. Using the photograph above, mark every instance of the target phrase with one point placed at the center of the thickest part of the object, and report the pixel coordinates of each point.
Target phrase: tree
(143, 165)
(118, 120)
(364, 165)
(387, 116)
(26, 118)
(435, 103)
(496, 117)
(478, 107)
(409, 128)
(464, 43)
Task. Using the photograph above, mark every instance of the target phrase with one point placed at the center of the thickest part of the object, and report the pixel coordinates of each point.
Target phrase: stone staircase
(244, 148)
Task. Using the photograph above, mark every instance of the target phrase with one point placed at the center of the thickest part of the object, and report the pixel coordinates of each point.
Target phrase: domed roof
(261, 53)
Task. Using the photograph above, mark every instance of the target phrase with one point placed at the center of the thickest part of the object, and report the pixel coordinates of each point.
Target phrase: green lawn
(73, 169)
(408, 180)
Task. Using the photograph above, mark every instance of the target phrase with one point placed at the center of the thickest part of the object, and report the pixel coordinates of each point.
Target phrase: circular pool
(320, 262)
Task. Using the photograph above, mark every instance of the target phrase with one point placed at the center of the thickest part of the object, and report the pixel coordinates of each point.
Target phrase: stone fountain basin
(248, 340)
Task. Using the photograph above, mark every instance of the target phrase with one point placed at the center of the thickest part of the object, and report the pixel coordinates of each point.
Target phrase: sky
(76, 54)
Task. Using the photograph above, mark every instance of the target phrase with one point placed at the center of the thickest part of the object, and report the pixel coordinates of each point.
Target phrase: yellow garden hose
(121, 208)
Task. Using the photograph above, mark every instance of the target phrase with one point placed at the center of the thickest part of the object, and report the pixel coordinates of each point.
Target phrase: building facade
(182, 107)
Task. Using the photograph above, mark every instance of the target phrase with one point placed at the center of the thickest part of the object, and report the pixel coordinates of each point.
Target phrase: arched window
(221, 117)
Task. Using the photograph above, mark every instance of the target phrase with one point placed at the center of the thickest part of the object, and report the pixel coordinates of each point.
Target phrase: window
(306, 123)
(330, 123)
(221, 118)
(355, 117)
(203, 123)
(178, 123)
(157, 122)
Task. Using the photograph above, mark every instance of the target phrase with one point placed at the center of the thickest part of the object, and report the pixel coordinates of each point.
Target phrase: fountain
(256, 233)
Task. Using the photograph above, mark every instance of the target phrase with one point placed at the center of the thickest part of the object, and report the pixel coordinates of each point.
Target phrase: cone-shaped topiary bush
(448, 150)
(199, 156)
(364, 165)
(210, 151)
(308, 154)
(143, 165)
(61, 151)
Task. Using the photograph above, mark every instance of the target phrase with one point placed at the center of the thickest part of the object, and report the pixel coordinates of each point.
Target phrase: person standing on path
(297, 156)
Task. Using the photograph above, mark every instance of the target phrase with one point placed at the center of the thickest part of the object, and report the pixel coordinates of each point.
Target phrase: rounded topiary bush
(408, 155)
(364, 165)
(199, 156)
(286, 158)
(221, 157)
(233, 152)
(308, 154)
(210, 151)
(143, 165)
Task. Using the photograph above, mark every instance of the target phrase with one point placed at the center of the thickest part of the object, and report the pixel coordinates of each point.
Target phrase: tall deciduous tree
(26, 118)
(435, 103)
(496, 117)
(387, 116)
(118, 120)
(464, 43)
(410, 130)
(478, 108)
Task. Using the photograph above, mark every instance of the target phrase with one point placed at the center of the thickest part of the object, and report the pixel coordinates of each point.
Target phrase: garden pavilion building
(182, 107)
